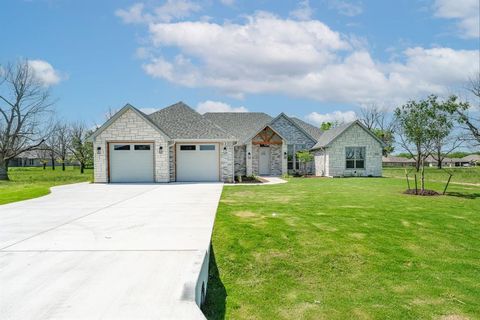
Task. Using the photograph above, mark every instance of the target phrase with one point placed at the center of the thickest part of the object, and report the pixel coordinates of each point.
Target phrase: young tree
(62, 135)
(304, 157)
(415, 128)
(25, 111)
(326, 126)
(81, 149)
(51, 146)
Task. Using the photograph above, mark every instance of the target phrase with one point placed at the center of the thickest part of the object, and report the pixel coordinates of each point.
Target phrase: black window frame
(121, 147)
(188, 147)
(207, 147)
(142, 147)
(354, 159)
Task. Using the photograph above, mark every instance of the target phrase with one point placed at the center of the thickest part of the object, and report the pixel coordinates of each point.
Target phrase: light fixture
(99, 150)
(160, 149)
(285, 155)
(249, 155)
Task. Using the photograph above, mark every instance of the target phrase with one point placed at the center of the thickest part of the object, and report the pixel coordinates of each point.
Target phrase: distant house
(471, 160)
(177, 143)
(34, 158)
(393, 161)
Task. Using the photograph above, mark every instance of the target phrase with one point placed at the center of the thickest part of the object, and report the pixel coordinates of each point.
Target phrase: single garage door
(131, 162)
(198, 162)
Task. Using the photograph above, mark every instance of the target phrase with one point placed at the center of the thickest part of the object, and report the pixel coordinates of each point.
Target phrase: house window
(142, 147)
(207, 147)
(188, 148)
(292, 161)
(355, 157)
(121, 147)
(290, 156)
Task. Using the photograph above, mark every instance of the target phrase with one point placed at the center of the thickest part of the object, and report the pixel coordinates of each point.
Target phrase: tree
(415, 127)
(62, 135)
(25, 111)
(443, 140)
(42, 154)
(326, 126)
(379, 121)
(81, 149)
(51, 146)
(462, 114)
(303, 158)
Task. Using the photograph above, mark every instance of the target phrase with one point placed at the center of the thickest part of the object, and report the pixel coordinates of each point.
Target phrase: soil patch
(425, 192)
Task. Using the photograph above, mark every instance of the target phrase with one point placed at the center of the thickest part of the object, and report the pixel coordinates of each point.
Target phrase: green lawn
(27, 183)
(460, 175)
(352, 248)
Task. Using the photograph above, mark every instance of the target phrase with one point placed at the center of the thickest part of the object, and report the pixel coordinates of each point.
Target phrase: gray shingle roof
(313, 131)
(242, 125)
(328, 136)
(179, 121)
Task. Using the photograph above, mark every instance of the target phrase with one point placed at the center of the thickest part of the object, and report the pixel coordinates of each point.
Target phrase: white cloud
(44, 72)
(346, 8)
(336, 116)
(466, 12)
(217, 106)
(303, 12)
(267, 54)
(169, 11)
(148, 110)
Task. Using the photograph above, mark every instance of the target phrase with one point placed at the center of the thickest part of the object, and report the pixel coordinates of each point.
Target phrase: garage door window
(142, 147)
(188, 148)
(207, 147)
(121, 147)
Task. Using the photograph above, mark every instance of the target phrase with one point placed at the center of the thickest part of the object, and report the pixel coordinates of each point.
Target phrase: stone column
(249, 159)
(284, 159)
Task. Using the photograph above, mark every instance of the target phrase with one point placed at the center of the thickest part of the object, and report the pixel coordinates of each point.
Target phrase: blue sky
(319, 60)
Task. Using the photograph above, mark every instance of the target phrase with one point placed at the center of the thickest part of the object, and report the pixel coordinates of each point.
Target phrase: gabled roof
(242, 125)
(330, 135)
(120, 113)
(180, 121)
(293, 123)
(471, 158)
(394, 159)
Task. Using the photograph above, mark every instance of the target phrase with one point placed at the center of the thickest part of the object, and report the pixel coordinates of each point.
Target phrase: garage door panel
(131, 162)
(198, 162)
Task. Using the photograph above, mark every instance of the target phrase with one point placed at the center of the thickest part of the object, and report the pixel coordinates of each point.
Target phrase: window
(121, 147)
(188, 148)
(207, 147)
(290, 157)
(142, 147)
(355, 157)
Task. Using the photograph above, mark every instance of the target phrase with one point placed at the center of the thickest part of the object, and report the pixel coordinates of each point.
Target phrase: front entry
(264, 161)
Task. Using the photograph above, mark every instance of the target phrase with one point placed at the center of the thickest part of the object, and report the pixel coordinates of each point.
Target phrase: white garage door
(198, 162)
(131, 162)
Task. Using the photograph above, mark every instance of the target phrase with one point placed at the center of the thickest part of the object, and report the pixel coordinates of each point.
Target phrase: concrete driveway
(96, 251)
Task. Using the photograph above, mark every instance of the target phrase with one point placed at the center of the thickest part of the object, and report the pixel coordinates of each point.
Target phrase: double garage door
(134, 162)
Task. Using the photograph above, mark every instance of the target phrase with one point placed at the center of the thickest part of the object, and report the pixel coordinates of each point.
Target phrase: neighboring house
(471, 160)
(392, 161)
(178, 144)
(36, 158)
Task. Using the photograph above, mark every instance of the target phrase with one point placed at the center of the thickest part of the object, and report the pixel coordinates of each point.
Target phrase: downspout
(324, 161)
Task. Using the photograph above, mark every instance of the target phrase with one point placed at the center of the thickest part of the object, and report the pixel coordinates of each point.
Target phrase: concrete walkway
(94, 251)
(269, 181)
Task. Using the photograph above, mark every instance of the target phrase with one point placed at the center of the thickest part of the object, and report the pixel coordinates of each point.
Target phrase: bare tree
(370, 115)
(62, 134)
(81, 149)
(42, 154)
(51, 145)
(25, 110)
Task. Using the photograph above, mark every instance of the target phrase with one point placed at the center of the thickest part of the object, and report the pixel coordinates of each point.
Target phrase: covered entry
(131, 162)
(267, 152)
(198, 162)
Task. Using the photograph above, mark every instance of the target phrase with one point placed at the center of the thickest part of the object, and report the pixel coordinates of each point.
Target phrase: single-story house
(179, 144)
(37, 158)
(393, 161)
(471, 160)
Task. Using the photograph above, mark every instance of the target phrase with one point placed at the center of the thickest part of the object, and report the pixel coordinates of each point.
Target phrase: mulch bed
(419, 192)
(246, 179)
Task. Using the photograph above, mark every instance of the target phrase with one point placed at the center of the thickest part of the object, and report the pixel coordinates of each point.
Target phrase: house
(471, 160)
(178, 144)
(37, 158)
(392, 161)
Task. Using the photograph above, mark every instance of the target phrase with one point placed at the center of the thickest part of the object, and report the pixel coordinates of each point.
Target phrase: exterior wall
(131, 127)
(276, 159)
(249, 148)
(291, 133)
(226, 162)
(171, 156)
(255, 159)
(355, 136)
(240, 157)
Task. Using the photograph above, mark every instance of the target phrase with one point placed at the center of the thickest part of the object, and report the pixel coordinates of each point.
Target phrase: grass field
(27, 183)
(352, 248)
(460, 175)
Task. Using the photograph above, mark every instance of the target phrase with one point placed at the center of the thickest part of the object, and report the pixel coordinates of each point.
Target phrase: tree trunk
(63, 165)
(423, 175)
(44, 165)
(439, 157)
(53, 163)
(4, 170)
(82, 167)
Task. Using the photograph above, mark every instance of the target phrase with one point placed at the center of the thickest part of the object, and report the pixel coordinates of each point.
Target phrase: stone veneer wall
(240, 160)
(276, 159)
(226, 162)
(255, 159)
(131, 127)
(355, 136)
(321, 163)
(291, 133)
(171, 156)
